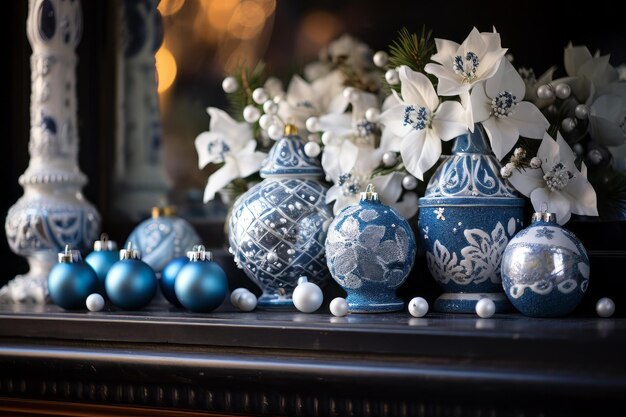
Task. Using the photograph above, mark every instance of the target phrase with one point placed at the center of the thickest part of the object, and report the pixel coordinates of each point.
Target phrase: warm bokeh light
(247, 20)
(268, 6)
(219, 13)
(170, 7)
(317, 29)
(166, 69)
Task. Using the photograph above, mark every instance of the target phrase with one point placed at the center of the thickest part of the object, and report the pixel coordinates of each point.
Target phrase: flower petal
(574, 57)
(407, 207)
(411, 150)
(201, 143)
(526, 180)
(417, 89)
(480, 103)
(508, 79)
(235, 134)
(340, 124)
(389, 187)
(566, 155)
(249, 164)
(599, 71)
(548, 152)
(219, 179)
(389, 141)
(583, 197)
(556, 201)
(503, 135)
(445, 50)
(530, 122)
(449, 121)
(393, 119)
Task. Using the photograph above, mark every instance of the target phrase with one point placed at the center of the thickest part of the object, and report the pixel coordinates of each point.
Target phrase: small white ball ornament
(307, 297)
(312, 149)
(265, 121)
(312, 124)
(95, 302)
(275, 131)
(339, 307)
(392, 77)
(327, 137)
(230, 85)
(562, 91)
(246, 301)
(418, 307)
(390, 159)
(372, 115)
(260, 96)
(235, 295)
(595, 156)
(506, 172)
(581, 112)
(545, 92)
(605, 307)
(269, 107)
(251, 114)
(381, 58)
(535, 162)
(351, 94)
(578, 149)
(409, 182)
(568, 124)
(485, 308)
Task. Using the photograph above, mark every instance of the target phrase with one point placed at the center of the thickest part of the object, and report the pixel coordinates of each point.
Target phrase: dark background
(534, 31)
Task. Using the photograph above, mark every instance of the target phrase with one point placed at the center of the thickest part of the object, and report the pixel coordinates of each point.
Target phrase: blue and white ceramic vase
(277, 228)
(370, 250)
(545, 269)
(163, 237)
(466, 218)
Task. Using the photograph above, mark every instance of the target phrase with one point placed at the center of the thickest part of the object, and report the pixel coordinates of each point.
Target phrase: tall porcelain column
(140, 174)
(52, 212)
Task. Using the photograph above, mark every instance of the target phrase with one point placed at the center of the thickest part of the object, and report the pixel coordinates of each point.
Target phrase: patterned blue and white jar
(467, 217)
(277, 228)
(163, 237)
(370, 250)
(545, 269)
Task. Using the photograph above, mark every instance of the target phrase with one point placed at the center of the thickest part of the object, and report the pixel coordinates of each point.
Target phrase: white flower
(304, 100)
(557, 183)
(352, 125)
(422, 122)
(228, 142)
(462, 66)
(497, 104)
(607, 120)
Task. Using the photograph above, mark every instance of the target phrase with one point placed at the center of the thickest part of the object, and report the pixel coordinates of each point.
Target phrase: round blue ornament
(168, 278)
(163, 237)
(545, 269)
(131, 283)
(370, 250)
(71, 281)
(104, 255)
(201, 285)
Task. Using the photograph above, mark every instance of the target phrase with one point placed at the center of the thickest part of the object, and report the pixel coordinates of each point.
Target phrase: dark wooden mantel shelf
(289, 363)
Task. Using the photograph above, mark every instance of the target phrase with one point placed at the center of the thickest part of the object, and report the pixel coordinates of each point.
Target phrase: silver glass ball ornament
(409, 182)
(339, 307)
(246, 301)
(581, 111)
(485, 308)
(381, 58)
(392, 77)
(307, 297)
(389, 159)
(234, 296)
(562, 91)
(418, 307)
(605, 307)
(545, 92)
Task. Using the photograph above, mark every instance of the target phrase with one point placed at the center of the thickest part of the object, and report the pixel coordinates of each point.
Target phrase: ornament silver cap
(104, 243)
(369, 194)
(130, 252)
(69, 255)
(199, 253)
(544, 215)
(167, 211)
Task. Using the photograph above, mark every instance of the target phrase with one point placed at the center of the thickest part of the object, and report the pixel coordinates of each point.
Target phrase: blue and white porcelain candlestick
(277, 228)
(140, 176)
(466, 218)
(52, 212)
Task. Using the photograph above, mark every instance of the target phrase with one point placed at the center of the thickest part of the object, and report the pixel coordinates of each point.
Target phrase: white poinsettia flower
(462, 66)
(497, 104)
(591, 72)
(230, 143)
(557, 183)
(351, 125)
(422, 122)
(304, 100)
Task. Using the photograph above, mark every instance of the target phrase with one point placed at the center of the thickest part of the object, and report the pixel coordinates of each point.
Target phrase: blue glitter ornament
(104, 255)
(131, 283)
(201, 285)
(71, 281)
(370, 250)
(168, 278)
(163, 237)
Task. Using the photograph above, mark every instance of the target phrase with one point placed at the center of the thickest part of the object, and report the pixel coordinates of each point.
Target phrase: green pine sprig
(248, 79)
(412, 49)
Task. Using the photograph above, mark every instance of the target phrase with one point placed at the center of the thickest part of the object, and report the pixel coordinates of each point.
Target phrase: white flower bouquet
(386, 118)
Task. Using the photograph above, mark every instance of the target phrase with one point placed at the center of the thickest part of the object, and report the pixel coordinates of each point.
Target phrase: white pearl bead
(605, 307)
(351, 94)
(312, 149)
(485, 308)
(327, 137)
(312, 124)
(230, 85)
(246, 301)
(595, 156)
(545, 92)
(251, 114)
(275, 131)
(339, 307)
(562, 91)
(418, 307)
(381, 58)
(307, 297)
(578, 149)
(581, 111)
(372, 115)
(235, 295)
(269, 107)
(568, 124)
(260, 96)
(392, 77)
(506, 172)
(409, 182)
(265, 121)
(95, 302)
(535, 162)
(390, 159)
